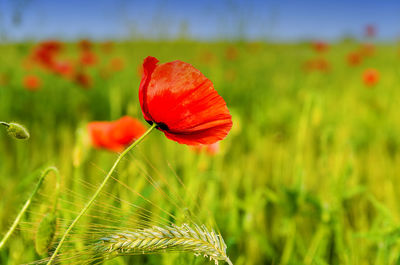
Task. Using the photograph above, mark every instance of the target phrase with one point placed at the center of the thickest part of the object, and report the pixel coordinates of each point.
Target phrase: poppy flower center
(160, 125)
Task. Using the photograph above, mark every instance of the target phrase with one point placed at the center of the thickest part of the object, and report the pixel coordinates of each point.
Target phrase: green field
(309, 173)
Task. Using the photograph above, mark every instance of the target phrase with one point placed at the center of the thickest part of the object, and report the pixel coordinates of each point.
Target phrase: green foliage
(308, 174)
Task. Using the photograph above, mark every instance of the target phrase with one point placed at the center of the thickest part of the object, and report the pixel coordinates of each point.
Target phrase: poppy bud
(17, 131)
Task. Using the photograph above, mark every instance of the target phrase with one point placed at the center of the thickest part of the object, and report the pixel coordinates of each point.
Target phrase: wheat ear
(170, 238)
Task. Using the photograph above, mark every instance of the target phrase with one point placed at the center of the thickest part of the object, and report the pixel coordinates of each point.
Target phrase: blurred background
(278, 21)
(309, 173)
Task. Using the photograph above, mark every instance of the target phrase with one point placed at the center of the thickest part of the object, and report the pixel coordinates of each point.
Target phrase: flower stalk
(96, 194)
(28, 202)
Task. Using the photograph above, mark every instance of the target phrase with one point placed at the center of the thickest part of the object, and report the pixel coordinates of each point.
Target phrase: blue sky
(279, 20)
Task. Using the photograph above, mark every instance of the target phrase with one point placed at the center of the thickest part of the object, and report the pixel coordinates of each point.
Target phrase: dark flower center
(160, 125)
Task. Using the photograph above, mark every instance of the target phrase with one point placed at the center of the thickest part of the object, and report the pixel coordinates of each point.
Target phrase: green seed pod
(17, 131)
(45, 233)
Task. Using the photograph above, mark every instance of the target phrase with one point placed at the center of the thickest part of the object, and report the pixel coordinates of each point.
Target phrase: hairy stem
(28, 202)
(90, 202)
(5, 124)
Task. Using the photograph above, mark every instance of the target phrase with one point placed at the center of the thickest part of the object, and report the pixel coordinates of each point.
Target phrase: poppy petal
(183, 102)
(99, 134)
(149, 65)
(125, 130)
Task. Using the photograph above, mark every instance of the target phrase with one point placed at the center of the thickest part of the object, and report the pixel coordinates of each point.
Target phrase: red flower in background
(183, 103)
(354, 58)
(31, 82)
(320, 46)
(370, 77)
(117, 64)
(318, 64)
(85, 45)
(88, 58)
(44, 54)
(64, 68)
(126, 129)
(115, 135)
(231, 53)
(83, 80)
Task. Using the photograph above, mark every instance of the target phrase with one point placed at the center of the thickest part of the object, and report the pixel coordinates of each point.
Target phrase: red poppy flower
(99, 134)
(183, 103)
(85, 45)
(83, 80)
(318, 64)
(115, 135)
(354, 58)
(64, 68)
(44, 54)
(231, 53)
(117, 64)
(88, 58)
(371, 77)
(320, 46)
(31, 82)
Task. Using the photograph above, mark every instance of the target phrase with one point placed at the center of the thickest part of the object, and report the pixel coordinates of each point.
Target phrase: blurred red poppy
(231, 53)
(32, 82)
(354, 58)
(54, 46)
(126, 129)
(320, 46)
(371, 77)
(183, 103)
(83, 80)
(318, 64)
(85, 45)
(64, 68)
(88, 58)
(44, 54)
(115, 135)
(117, 64)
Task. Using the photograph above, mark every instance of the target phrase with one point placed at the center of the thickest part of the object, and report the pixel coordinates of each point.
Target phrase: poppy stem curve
(28, 202)
(5, 124)
(90, 202)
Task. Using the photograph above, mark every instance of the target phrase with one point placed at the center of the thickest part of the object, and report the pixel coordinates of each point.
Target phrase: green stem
(90, 202)
(28, 202)
(5, 124)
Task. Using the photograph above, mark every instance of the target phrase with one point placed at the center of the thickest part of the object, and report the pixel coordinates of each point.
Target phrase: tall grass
(309, 174)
